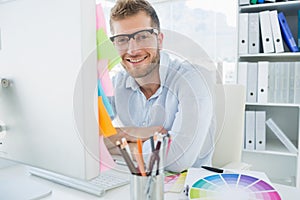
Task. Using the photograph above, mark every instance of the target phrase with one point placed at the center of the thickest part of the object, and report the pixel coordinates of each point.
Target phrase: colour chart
(232, 187)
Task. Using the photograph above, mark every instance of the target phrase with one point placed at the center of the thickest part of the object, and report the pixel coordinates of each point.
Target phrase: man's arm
(192, 130)
(131, 134)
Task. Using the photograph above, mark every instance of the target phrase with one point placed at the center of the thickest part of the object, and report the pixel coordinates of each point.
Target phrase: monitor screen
(48, 91)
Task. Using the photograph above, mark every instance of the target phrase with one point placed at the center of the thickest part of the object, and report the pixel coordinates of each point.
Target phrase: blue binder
(287, 34)
(260, 1)
(298, 28)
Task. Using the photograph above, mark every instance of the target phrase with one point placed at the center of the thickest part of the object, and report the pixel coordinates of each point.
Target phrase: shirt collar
(163, 68)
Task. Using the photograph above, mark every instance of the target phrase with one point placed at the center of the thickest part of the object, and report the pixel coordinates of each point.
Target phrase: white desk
(62, 192)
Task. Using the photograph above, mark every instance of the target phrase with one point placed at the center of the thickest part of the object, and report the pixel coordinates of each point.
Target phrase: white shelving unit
(276, 161)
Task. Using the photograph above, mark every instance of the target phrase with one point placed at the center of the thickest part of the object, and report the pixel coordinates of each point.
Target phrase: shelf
(274, 147)
(286, 115)
(287, 7)
(270, 152)
(273, 105)
(286, 56)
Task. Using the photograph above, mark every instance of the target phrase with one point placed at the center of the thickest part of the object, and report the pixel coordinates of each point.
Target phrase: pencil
(127, 158)
(139, 145)
(140, 162)
(140, 150)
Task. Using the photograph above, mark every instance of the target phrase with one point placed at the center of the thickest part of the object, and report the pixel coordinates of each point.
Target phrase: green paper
(106, 49)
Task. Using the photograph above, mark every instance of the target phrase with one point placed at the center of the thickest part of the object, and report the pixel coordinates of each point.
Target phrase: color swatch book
(233, 185)
(174, 182)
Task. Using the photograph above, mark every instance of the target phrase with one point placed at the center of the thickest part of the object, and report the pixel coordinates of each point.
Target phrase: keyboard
(97, 186)
(108, 181)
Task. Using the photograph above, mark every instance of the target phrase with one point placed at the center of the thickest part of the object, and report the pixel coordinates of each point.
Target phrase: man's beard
(148, 70)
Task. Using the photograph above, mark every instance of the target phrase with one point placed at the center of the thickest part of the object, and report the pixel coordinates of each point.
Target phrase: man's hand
(132, 134)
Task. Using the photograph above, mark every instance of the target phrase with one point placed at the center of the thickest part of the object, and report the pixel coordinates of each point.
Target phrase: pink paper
(106, 161)
(100, 19)
(103, 75)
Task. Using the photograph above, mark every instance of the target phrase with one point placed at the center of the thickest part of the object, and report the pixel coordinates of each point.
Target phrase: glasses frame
(152, 30)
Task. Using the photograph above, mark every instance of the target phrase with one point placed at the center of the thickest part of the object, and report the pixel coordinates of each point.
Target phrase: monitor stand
(18, 184)
(21, 188)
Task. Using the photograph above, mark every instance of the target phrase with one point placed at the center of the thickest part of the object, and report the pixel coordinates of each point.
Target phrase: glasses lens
(121, 40)
(142, 38)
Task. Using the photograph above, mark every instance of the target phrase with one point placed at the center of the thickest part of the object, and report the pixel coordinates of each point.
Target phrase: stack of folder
(265, 32)
(270, 82)
(255, 132)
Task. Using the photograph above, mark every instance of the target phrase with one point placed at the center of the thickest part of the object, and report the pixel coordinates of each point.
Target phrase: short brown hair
(127, 8)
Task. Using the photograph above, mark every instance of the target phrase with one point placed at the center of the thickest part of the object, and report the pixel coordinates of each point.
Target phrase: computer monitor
(48, 91)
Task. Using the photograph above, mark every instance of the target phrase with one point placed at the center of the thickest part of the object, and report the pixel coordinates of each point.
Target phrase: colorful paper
(107, 55)
(105, 100)
(104, 109)
(232, 186)
(105, 125)
(106, 49)
(106, 161)
(103, 76)
(174, 182)
(100, 19)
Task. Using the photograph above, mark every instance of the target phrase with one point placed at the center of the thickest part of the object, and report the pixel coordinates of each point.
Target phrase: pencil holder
(147, 187)
(147, 183)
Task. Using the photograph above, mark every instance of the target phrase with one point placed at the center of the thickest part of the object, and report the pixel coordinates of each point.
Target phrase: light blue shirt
(183, 105)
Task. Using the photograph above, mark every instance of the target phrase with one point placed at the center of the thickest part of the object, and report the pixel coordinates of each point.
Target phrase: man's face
(140, 56)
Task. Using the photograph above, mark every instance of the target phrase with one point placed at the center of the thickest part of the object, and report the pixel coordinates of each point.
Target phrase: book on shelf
(253, 1)
(298, 29)
(260, 130)
(297, 83)
(281, 136)
(251, 88)
(277, 38)
(262, 81)
(266, 31)
(286, 33)
(249, 140)
(244, 2)
(243, 34)
(253, 33)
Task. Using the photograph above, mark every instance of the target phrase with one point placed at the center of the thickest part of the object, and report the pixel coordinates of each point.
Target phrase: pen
(149, 185)
(120, 162)
(152, 143)
(126, 146)
(159, 141)
(186, 190)
(168, 137)
(213, 169)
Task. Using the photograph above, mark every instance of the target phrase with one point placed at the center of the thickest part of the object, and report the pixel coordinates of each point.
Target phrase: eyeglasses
(142, 38)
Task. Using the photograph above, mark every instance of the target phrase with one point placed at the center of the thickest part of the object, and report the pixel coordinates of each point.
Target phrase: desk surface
(62, 192)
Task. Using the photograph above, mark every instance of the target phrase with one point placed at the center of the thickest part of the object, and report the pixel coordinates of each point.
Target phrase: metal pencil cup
(150, 187)
(142, 188)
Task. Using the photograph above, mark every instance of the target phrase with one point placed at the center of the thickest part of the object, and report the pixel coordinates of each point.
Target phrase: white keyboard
(96, 186)
(109, 181)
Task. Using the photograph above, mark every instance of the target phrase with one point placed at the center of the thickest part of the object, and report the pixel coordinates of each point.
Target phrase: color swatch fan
(233, 187)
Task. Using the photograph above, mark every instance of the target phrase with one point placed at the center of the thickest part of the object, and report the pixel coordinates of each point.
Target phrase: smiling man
(154, 93)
